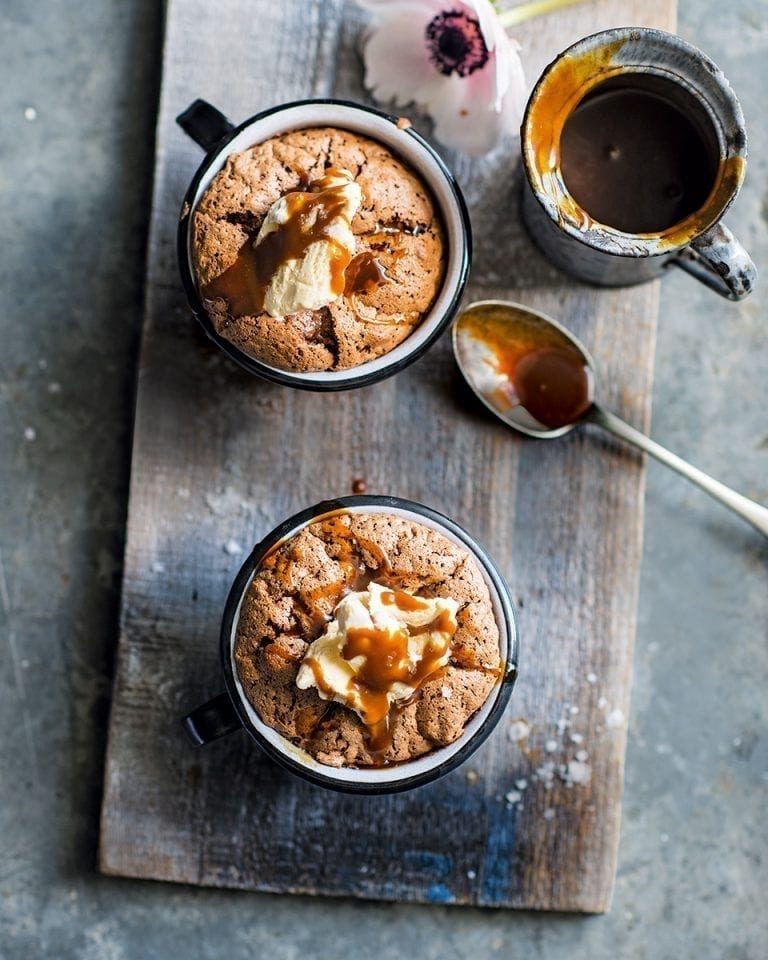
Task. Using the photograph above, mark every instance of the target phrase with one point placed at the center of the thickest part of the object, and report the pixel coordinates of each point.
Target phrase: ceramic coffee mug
(220, 138)
(232, 710)
(649, 101)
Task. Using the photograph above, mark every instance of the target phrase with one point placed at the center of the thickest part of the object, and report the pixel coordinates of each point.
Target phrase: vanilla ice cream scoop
(381, 645)
(306, 243)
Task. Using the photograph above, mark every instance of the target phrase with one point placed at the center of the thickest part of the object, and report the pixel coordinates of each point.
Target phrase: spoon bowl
(524, 366)
(539, 379)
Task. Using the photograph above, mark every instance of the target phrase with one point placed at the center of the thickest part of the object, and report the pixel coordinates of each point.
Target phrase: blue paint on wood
(439, 893)
(498, 864)
(437, 864)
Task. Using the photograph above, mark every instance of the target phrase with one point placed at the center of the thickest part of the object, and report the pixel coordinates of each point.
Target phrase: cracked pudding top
(367, 639)
(345, 231)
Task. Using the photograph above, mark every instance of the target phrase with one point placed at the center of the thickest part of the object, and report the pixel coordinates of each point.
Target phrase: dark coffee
(636, 161)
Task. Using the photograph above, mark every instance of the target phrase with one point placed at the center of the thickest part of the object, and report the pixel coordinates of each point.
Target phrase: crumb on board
(519, 730)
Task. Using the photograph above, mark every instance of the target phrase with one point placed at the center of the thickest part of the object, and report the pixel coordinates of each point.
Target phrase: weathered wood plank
(220, 456)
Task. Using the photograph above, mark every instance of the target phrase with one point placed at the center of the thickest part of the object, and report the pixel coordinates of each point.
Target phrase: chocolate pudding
(367, 639)
(318, 249)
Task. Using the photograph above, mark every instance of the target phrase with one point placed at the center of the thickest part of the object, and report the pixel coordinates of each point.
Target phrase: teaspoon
(539, 379)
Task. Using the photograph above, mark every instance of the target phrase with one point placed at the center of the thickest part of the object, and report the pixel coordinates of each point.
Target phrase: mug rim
(356, 376)
(288, 757)
(554, 197)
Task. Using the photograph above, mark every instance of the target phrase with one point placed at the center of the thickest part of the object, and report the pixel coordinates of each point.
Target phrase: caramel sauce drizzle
(311, 214)
(365, 274)
(386, 663)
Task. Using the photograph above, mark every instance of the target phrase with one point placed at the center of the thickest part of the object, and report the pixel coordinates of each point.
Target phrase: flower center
(455, 43)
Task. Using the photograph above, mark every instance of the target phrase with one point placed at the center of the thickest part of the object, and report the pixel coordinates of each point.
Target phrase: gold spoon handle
(752, 512)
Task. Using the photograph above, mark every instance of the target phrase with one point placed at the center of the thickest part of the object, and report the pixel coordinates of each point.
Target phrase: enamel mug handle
(205, 124)
(212, 720)
(719, 261)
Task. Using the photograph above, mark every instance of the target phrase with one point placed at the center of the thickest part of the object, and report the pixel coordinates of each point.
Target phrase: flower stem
(535, 8)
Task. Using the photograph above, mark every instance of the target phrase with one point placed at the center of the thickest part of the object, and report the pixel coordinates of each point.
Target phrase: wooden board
(220, 456)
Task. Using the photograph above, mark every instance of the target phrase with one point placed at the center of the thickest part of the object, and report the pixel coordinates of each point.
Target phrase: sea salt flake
(602, 703)
(576, 738)
(233, 548)
(546, 772)
(591, 678)
(549, 814)
(54, 387)
(521, 784)
(615, 719)
(471, 874)
(582, 756)
(519, 730)
(30, 433)
(446, 692)
(158, 566)
(182, 492)
(513, 797)
(30, 113)
(573, 711)
(579, 772)
(562, 724)
(550, 746)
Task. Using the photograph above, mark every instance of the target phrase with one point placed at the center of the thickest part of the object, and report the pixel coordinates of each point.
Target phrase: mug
(649, 100)
(220, 138)
(231, 710)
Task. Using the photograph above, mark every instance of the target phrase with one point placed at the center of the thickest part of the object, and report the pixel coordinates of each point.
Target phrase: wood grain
(220, 456)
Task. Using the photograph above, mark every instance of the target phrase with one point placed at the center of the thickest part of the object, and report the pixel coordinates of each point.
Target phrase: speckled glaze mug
(219, 137)
(651, 63)
(231, 711)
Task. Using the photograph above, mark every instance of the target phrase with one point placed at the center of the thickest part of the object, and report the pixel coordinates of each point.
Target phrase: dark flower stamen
(455, 43)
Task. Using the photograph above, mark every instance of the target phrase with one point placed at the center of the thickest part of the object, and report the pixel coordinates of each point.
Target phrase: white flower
(453, 59)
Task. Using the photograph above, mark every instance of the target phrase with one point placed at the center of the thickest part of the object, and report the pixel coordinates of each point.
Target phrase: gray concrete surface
(74, 189)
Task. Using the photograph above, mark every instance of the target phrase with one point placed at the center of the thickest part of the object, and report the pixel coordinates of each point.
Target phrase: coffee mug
(220, 138)
(633, 148)
(231, 711)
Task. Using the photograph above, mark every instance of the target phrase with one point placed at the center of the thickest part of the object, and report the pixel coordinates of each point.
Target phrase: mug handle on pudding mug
(641, 61)
(206, 125)
(211, 720)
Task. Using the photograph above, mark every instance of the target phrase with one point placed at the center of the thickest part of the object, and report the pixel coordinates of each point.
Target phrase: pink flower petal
(471, 112)
(465, 113)
(485, 14)
(397, 66)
